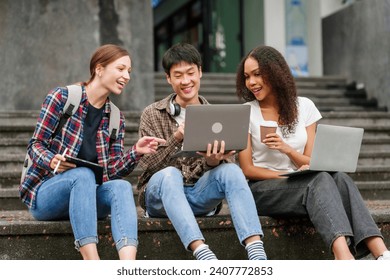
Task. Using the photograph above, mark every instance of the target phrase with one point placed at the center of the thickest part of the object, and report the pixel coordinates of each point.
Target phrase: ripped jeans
(74, 195)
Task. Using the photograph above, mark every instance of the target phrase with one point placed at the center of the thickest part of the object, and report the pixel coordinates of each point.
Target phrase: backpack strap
(71, 105)
(115, 118)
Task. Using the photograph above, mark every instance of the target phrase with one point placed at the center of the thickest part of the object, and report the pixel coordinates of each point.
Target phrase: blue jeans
(331, 201)
(166, 196)
(74, 195)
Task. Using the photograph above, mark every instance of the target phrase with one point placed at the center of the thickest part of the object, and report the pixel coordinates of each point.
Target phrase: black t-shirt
(91, 125)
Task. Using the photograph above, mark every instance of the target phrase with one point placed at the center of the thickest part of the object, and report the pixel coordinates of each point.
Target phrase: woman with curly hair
(330, 200)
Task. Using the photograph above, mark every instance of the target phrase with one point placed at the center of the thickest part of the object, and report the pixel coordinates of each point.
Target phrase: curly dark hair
(277, 74)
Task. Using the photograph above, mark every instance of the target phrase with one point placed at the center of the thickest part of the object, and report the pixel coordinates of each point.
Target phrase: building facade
(224, 31)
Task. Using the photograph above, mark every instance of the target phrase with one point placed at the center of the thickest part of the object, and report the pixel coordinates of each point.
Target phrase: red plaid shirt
(42, 146)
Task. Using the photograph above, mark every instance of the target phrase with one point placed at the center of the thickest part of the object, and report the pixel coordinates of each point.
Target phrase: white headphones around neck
(174, 107)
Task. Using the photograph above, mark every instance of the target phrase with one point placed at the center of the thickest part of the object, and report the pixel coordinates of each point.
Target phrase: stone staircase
(328, 93)
(21, 237)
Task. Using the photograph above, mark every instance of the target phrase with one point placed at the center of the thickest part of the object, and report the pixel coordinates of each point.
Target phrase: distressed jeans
(74, 195)
(166, 196)
(331, 201)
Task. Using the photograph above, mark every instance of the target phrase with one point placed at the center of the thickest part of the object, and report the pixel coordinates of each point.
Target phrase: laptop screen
(206, 123)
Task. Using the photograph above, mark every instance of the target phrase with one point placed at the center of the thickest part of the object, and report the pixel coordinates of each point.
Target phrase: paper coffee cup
(267, 128)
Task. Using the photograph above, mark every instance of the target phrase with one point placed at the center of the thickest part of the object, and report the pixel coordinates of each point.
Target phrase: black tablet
(96, 168)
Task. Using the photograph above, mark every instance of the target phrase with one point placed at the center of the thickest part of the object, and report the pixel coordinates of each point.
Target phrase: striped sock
(204, 253)
(255, 250)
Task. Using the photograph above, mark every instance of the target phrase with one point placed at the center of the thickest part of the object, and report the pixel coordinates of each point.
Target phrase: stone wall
(356, 44)
(48, 43)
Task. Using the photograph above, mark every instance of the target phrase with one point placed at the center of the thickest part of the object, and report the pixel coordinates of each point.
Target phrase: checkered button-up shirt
(157, 121)
(43, 145)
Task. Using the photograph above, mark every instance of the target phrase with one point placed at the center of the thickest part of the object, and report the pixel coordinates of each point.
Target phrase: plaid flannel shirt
(157, 121)
(43, 145)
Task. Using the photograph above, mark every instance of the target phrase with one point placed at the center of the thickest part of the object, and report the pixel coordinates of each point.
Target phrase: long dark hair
(277, 74)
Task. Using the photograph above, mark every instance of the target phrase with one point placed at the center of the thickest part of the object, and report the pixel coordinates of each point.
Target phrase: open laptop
(206, 123)
(336, 148)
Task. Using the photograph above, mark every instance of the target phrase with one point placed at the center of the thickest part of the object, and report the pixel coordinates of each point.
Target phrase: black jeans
(330, 200)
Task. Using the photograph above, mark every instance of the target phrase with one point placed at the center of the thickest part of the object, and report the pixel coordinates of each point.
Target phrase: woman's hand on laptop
(304, 167)
(214, 156)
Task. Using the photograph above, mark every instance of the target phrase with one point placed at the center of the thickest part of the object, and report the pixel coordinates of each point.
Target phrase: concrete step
(370, 190)
(25, 120)
(328, 93)
(219, 92)
(375, 143)
(350, 108)
(9, 198)
(25, 131)
(356, 118)
(22, 237)
(229, 79)
(363, 173)
(380, 131)
(10, 178)
(227, 91)
(222, 88)
(371, 173)
(323, 104)
(372, 158)
(28, 117)
(374, 190)
(14, 138)
(369, 155)
(374, 134)
(321, 82)
(14, 149)
(13, 152)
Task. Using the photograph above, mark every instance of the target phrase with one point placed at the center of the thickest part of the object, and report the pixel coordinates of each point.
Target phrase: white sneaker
(385, 256)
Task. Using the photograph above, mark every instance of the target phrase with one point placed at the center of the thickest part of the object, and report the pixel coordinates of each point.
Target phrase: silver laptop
(336, 148)
(206, 123)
